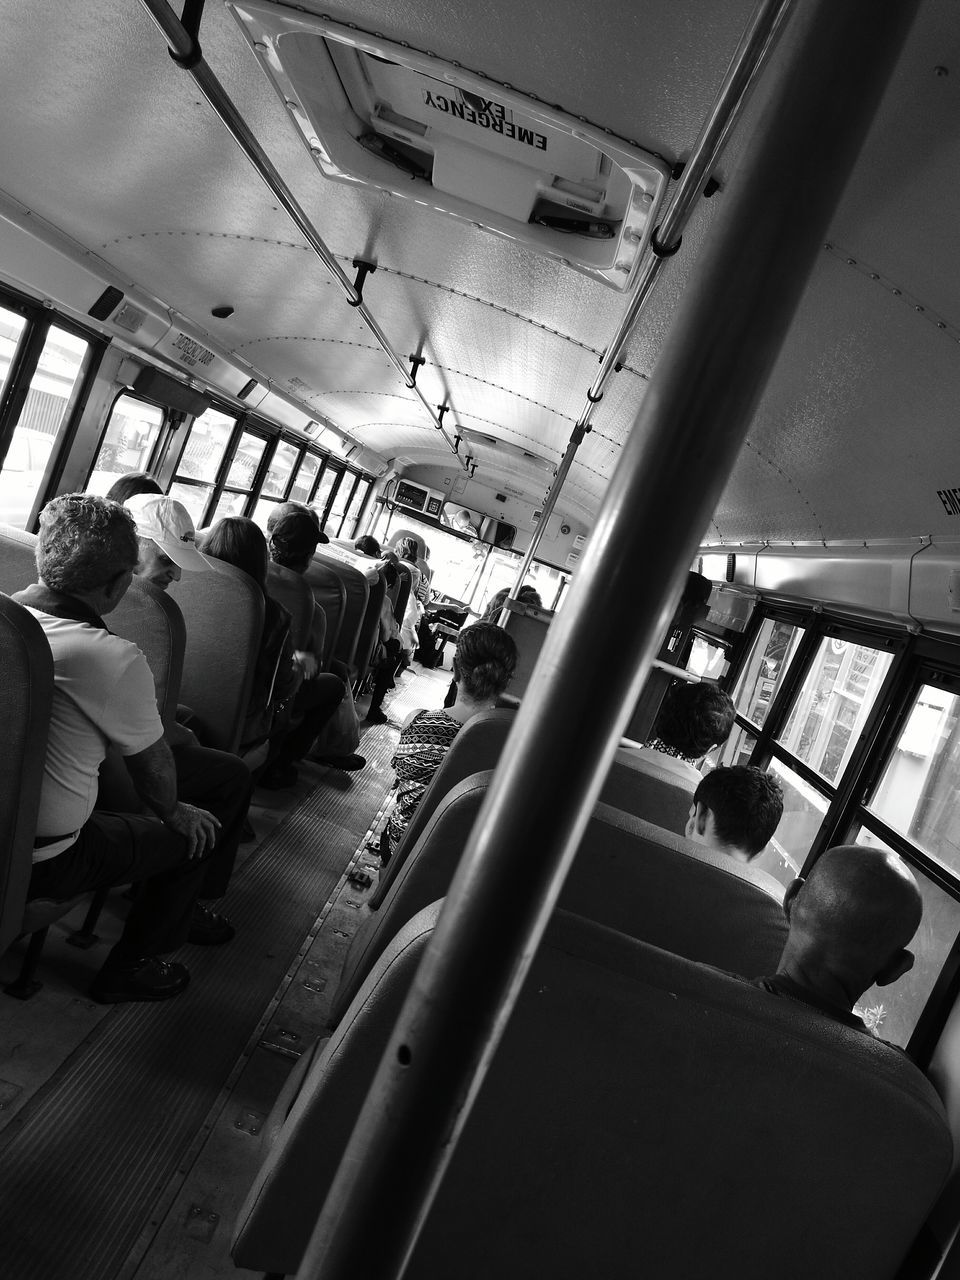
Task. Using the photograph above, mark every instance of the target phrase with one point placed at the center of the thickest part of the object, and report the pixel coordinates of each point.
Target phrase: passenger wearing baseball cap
(167, 539)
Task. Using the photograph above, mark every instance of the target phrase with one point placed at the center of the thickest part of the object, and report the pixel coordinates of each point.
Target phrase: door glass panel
(917, 794)
(51, 388)
(206, 445)
(128, 442)
(769, 661)
(243, 468)
(281, 468)
(324, 489)
(804, 809)
(194, 497)
(833, 704)
(300, 491)
(11, 327)
(894, 1011)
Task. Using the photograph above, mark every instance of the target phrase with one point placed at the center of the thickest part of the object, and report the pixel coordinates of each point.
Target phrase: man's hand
(198, 827)
(306, 662)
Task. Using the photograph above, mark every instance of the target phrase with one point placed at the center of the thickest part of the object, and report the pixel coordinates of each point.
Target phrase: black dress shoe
(208, 929)
(146, 978)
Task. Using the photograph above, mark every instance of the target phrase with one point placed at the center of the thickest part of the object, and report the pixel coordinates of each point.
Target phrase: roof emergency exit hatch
(380, 115)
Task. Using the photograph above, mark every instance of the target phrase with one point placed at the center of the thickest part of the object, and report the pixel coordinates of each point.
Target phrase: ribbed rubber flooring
(81, 1166)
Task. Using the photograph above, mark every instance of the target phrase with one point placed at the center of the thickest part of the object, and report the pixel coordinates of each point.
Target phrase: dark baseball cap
(297, 533)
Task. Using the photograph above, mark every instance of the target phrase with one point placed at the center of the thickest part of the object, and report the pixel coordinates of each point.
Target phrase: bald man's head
(855, 914)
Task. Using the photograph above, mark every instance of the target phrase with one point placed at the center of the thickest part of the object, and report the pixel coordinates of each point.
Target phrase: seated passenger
(526, 595)
(368, 546)
(168, 540)
(280, 669)
(482, 666)
(389, 665)
(132, 483)
(850, 922)
(693, 719)
(292, 538)
(736, 810)
(104, 694)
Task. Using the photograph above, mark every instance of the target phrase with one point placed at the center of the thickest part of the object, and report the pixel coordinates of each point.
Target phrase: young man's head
(167, 539)
(851, 921)
(736, 811)
(87, 548)
(693, 718)
(293, 537)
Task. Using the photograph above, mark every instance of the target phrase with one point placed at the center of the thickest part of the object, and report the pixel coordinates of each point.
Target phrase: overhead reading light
(246, 389)
(378, 114)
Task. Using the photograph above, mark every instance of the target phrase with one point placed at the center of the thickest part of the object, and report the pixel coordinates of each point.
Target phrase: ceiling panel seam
(789, 479)
(919, 307)
(393, 271)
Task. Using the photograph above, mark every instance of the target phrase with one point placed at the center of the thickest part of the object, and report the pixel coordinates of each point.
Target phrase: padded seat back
(330, 600)
(292, 591)
(642, 1115)
(223, 612)
(657, 792)
(528, 626)
(370, 626)
(26, 694)
(153, 622)
(356, 594)
(18, 568)
(476, 747)
(404, 587)
(628, 875)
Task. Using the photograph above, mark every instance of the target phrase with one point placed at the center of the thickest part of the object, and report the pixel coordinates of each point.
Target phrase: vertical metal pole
(726, 337)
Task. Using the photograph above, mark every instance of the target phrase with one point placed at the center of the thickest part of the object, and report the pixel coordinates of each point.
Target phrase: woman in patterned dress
(482, 666)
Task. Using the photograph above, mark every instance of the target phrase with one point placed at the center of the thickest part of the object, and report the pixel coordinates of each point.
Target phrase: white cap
(167, 523)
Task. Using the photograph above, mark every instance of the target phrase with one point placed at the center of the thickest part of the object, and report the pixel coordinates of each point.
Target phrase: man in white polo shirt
(104, 693)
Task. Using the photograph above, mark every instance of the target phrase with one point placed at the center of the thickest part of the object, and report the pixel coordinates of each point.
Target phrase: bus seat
(476, 747)
(292, 591)
(642, 1114)
(528, 626)
(404, 587)
(330, 599)
(628, 874)
(223, 612)
(18, 568)
(370, 626)
(153, 622)
(26, 694)
(356, 594)
(650, 790)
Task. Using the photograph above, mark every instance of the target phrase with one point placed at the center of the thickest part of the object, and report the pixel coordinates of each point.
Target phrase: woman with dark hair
(279, 670)
(130, 484)
(484, 661)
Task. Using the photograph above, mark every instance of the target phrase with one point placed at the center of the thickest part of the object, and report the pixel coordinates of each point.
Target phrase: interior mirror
(477, 525)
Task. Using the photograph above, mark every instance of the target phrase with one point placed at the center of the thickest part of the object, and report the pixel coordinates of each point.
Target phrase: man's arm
(155, 777)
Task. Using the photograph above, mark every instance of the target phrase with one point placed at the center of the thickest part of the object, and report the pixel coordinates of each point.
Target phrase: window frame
(917, 661)
(167, 425)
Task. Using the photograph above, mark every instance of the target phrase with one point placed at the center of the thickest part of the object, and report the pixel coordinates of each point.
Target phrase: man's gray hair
(84, 543)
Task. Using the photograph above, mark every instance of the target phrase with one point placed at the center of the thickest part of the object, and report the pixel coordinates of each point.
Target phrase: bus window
(737, 749)
(893, 1011)
(200, 461)
(321, 499)
(305, 478)
(763, 672)
(338, 507)
(129, 440)
(354, 508)
(804, 809)
(11, 327)
(917, 793)
(51, 389)
(832, 706)
(241, 477)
